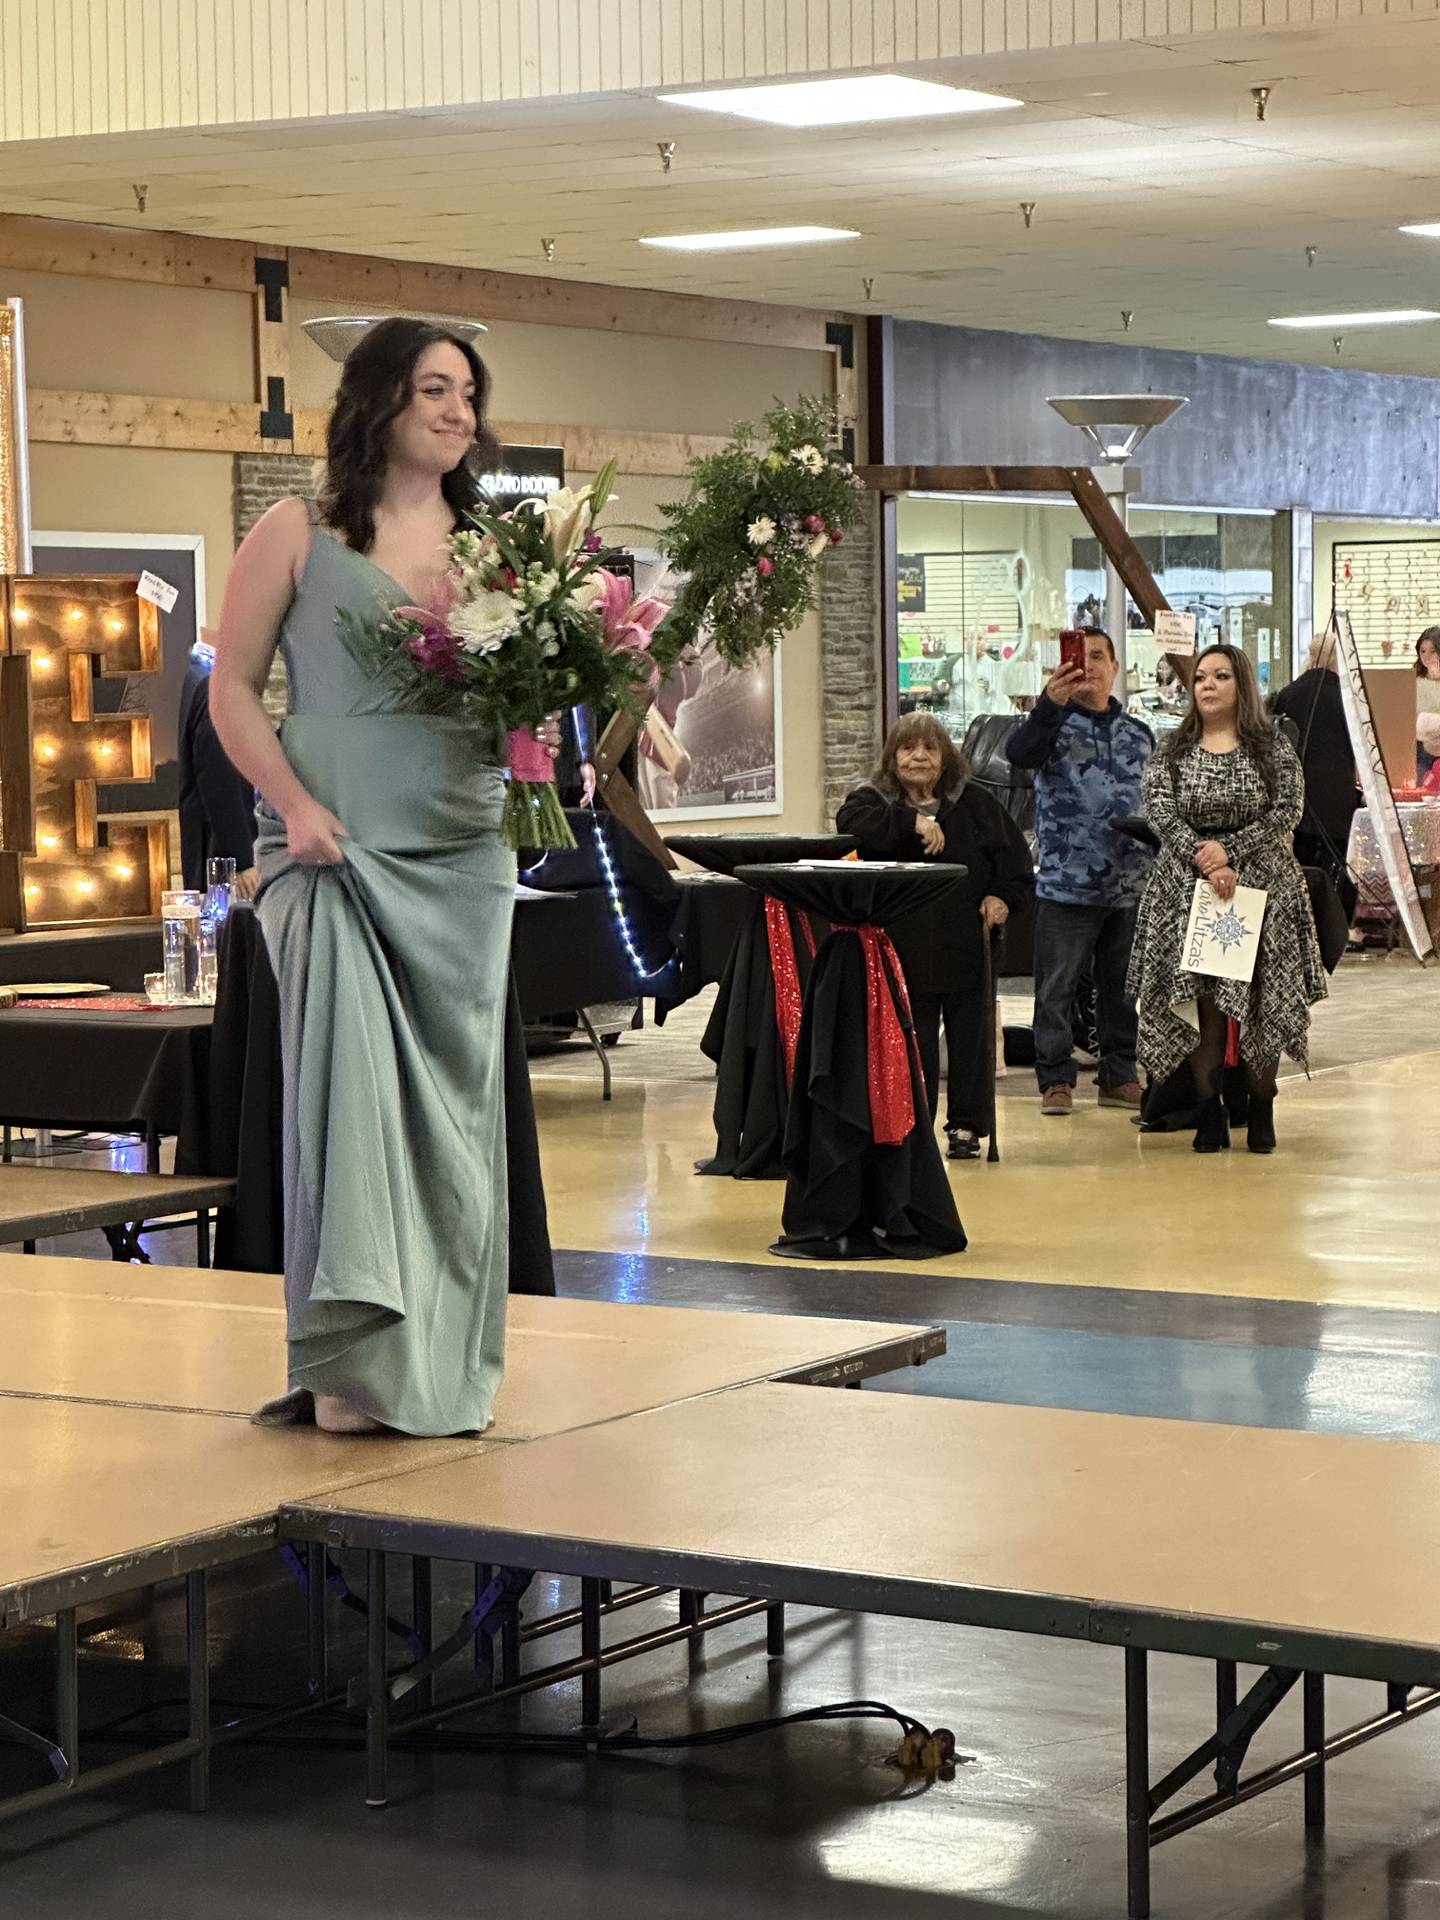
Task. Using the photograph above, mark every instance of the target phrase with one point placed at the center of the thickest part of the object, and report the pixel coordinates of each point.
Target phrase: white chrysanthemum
(761, 532)
(483, 623)
(811, 458)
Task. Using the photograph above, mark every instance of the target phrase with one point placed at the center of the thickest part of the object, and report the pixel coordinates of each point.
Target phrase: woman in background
(1225, 794)
(921, 805)
(1427, 702)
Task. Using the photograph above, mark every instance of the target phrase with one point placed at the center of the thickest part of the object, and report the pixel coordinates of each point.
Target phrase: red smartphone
(1072, 649)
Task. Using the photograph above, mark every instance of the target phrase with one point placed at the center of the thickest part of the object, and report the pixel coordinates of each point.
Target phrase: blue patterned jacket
(1088, 772)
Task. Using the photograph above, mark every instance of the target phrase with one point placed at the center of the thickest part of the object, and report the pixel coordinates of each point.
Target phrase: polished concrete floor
(1105, 1271)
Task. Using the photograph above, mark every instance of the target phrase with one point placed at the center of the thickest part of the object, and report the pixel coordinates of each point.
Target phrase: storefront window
(985, 585)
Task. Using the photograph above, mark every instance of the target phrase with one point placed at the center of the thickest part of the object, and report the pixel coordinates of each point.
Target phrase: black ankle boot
(1260, 1135)
(1212, 1134)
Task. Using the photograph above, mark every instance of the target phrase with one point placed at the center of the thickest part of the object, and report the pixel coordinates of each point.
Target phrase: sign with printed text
(159, 592)
(1175, 632)
(1223, 937)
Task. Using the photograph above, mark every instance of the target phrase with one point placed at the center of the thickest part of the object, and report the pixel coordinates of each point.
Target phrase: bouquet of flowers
(527, 620)
(749, 535)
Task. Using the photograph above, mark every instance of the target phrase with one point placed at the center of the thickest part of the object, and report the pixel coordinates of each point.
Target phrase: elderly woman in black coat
(921, 805)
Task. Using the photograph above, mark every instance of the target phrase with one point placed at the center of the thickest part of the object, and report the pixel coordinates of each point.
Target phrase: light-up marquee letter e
(61, 859)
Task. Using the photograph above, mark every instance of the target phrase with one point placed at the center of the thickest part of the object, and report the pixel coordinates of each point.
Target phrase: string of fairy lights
(608, 870)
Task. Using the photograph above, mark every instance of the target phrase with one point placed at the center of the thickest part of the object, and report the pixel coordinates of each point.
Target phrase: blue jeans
(1067, 940)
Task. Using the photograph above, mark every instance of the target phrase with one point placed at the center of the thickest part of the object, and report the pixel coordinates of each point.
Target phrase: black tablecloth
(752, 1096)
(844, 1187)
(237, 1133)
(115, 1071)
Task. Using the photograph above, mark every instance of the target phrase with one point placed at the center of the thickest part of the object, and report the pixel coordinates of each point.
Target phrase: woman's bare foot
(335, 1414)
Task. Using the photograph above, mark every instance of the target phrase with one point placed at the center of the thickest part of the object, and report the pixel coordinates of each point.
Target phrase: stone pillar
(260, 480)
(851, 724)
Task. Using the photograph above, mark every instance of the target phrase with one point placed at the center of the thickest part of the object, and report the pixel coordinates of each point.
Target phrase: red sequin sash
(785, 968)
(891, 1046)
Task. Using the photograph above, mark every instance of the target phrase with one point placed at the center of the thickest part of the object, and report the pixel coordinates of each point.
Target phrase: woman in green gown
(386, 906)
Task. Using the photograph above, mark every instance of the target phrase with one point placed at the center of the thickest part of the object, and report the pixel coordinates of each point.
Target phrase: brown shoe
(1058, 1103)
(1130, 1095)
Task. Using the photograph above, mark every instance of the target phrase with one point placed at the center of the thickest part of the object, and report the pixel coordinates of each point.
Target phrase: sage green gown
(393, 970)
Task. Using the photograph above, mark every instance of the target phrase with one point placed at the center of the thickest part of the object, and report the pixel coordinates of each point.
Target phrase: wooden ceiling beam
(32, 244)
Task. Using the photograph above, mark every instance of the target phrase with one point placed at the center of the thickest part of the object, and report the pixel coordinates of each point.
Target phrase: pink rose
(814, 523)
(765, 566)
(836, 537)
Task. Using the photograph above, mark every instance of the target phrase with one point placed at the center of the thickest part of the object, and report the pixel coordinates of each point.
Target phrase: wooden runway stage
(127, 1457)
(1303, 1554)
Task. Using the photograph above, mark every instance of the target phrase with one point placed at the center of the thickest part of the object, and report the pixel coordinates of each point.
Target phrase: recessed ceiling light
(1385, 317)
(844, 102)
(1427, 230)
(739, 239)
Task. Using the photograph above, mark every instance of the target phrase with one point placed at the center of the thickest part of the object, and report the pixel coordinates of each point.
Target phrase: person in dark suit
(1313, 704)
(217, 804)
(921, 804)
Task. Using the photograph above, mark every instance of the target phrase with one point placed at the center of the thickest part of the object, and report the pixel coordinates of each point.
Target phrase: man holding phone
(1088, 757)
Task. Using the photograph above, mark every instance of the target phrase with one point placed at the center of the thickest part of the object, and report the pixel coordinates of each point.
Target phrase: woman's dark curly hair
(1253, 725)
(376, 386)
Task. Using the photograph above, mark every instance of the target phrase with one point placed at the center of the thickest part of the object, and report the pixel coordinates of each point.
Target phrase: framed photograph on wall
(712, 747)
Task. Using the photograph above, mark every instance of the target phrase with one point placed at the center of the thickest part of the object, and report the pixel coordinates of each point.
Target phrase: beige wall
(129, 490)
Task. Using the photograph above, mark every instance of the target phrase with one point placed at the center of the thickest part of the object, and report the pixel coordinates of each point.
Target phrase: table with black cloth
(113, 1072)
(237, 1131)
(865, 1179)
(754, 1025)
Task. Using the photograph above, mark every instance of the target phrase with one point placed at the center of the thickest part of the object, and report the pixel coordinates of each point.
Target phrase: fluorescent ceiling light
(1385, 317)
(845, 102)
(744, 237)
(1427, 230)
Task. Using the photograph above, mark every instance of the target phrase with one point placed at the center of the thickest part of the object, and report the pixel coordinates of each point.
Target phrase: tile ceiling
(1157, 192)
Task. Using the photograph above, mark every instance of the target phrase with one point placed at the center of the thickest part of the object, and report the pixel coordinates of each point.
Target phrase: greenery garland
(750, 534)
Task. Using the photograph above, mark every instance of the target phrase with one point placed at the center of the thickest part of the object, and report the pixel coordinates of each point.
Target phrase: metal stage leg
(1313, 1710)
(7, 1146)
(422, 1588)
(377, 1685)
(317, 1666)
(590, 1651)
(202, 1237)
(510, 1648)
(775, 1630)
(1137, 1782)
(67, 1690)
(588, 1027)
(1227, 1698)
(27, 1246)
(197, 1676)
(484, 1646)
(152, 1148)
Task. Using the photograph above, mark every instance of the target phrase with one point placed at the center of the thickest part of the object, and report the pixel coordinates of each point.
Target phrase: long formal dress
(393, 970)
(1197, 796)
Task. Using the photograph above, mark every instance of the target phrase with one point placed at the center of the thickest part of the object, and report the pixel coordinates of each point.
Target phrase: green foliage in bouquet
(749, 535)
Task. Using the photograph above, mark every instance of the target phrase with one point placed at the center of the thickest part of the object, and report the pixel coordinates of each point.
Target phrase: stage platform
(203, 1341)
(43, 1203)
(127, 1457)
(1303, 1554)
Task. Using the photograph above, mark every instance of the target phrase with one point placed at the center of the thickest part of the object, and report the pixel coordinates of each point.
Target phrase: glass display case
(984, 585)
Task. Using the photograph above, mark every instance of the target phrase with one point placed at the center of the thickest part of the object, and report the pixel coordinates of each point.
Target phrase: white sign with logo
(1223, 937)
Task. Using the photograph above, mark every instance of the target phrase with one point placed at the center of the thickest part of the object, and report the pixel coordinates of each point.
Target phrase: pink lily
(629, 620)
